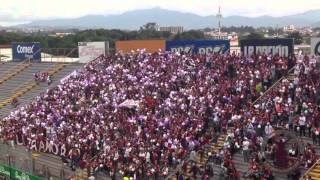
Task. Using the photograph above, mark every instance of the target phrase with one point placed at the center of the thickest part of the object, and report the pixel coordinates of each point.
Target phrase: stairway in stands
(19, 82)
(241, 166)
(213, 147)
(23, 87)
(238, 158)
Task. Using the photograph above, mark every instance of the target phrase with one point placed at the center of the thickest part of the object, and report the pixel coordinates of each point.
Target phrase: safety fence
(16, 162)
(48, 55)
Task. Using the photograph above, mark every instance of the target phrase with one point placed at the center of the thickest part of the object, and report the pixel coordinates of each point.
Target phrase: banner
(198, 46)
(45, 146)
(89, 51)
(16, 174)
(26, 51)
(315, 46)
(281, 47)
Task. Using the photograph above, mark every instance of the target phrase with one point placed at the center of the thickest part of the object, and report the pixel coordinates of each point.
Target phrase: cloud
(17, 10)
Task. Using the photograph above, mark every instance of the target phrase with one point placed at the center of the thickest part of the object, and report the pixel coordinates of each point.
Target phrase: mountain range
(133, 20)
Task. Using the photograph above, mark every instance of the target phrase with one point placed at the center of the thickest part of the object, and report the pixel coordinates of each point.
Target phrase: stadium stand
(153, 116)
(23, 87)
(297, 96)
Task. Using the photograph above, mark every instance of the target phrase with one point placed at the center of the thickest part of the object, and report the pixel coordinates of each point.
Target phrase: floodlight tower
(219, 17)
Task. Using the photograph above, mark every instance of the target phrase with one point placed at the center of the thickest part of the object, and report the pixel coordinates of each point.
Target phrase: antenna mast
(219, 16)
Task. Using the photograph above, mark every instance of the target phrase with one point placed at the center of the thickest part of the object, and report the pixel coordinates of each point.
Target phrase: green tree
(253, 35)
(298, 39)
(190, 35)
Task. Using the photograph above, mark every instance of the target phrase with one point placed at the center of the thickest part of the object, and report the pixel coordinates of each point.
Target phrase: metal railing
(59, 55)
(49, 55)
(310, 169)
(274, 85)
(19, 158)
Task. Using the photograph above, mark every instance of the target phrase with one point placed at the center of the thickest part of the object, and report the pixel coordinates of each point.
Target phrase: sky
(17, 11)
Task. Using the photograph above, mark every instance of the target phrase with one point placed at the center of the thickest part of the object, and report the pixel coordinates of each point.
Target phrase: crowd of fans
(293, 105)
(140, 114)
(42, 77)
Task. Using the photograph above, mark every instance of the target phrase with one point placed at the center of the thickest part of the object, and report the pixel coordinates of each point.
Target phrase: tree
(190, 35)
(254, 35)
(298, 39)
(150, 26)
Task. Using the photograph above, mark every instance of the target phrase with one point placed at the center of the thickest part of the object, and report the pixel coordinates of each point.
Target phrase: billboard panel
(315, 46)
(150, 46)
(89, 51)
(198, 46)
(282, 47)
(26, 51)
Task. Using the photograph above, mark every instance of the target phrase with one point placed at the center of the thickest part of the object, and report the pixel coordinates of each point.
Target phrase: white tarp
(130, 103)
(89, 51)
(73, 74)
(315, 46)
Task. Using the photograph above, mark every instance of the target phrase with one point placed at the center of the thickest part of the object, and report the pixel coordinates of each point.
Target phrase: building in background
(289, 29)
(217, 35)
(61, 34)
(156, 27)
(234, 39)
(172, 29)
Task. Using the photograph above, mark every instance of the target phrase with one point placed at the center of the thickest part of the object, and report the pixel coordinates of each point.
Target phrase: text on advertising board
(201, 50)
(26, 51)
(198, 47)
(281, 50)
(281, 47)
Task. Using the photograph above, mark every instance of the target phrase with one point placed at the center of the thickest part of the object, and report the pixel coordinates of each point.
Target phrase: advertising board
(89, 51)
(150, 46)
(198, 46)
(26, 51)
(315, 46)
(281, 47)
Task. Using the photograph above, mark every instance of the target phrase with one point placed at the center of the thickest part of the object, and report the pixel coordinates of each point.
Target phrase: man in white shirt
(302, 125)
(245, 149)
(268, 130)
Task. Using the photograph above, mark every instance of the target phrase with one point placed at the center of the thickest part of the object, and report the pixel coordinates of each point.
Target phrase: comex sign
(26, 51)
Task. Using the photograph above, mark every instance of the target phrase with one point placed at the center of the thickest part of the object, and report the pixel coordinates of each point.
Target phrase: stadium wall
(150, 46)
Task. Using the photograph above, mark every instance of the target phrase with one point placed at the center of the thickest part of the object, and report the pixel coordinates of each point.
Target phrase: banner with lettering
(278, 46)
(26, 51)
(43, 145)
(198, 46)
